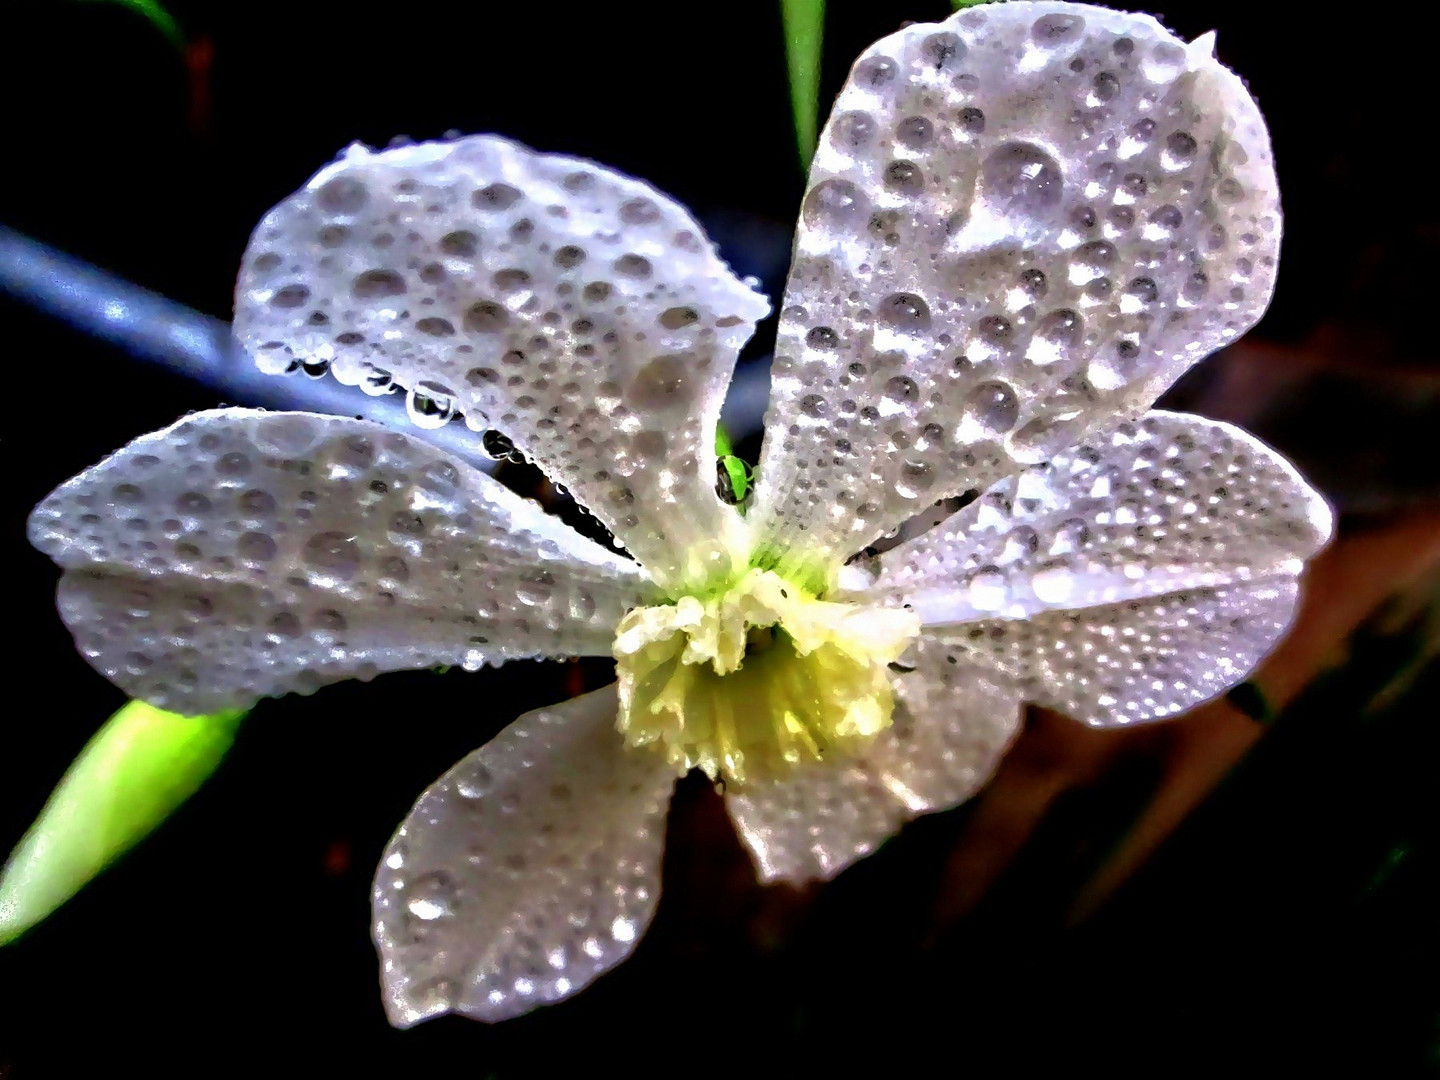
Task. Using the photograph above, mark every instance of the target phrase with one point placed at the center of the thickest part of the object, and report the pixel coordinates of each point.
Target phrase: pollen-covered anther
(757, 678)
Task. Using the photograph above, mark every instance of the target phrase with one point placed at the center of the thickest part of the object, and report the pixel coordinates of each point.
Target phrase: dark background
(1277, 928)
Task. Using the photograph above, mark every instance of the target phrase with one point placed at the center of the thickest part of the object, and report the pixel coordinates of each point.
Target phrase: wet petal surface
(579, 313)
(239, 554)
(952, 721)
(1021, 224)
(525, 871)
(1127, 579)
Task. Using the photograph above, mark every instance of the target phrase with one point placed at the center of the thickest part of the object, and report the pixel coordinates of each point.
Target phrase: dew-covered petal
(1128, 579)
(239, 553)
(577, 312)
(1021, 224)
(952, 722)
(524, 872)
(1143, 659)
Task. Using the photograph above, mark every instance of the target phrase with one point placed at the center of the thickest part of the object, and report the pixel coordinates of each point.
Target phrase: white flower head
(1022, 225)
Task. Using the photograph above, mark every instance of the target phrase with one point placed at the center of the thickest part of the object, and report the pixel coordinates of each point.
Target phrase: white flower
(1021, 226)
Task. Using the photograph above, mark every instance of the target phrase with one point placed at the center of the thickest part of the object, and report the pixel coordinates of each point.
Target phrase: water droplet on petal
(476, 783)
(1054, 337)
(915, 132)
(334, 554)
(1053, 584)
(1164, 62)
(1042, 438)
(431, 896)
(1052, 31)
(1071, 536)
(905, 312)
(993, 406)
(902, 389)
(255, 547)
(430, 405)
(535, 587)
(663, 383)
(1019, 180)
(835, 204)
(853, 130)
(987, 590)
(813, 405)
(915, 479)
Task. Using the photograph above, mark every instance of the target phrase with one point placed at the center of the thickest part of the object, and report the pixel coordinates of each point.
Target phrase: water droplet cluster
(1139, 660)
(524, 872)
(1020, 223)
(1138, 537)
(239, 554)
(580, 313)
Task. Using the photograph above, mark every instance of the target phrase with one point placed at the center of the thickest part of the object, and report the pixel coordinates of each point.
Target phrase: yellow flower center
(757, 678)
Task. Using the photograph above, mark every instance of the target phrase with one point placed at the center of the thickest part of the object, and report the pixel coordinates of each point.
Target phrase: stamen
(757, 679)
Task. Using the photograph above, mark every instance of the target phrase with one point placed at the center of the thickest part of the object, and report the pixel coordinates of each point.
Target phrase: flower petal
(577, 311)
(1125, 580)
(951, 724)
(241, 553)
(1021, 224)
(524, 872)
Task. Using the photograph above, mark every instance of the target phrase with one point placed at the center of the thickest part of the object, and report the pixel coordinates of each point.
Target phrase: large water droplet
(431, 896)
(993, 406)
(1020, 544)
(942, 51)
(663, 383)
(902, 389)
(915, 479)
(1054, 337)
(536, 587)
(1179, 151)
(1104, 87)
(377, 284)
(905, 311)
(1019, 180)
(286, 434)
(904, 178)
(852, 130)
(1053, 584)
(333, 554)
(375, 381)
(813, 405)
(342, 195)
(476, 783)
(987, 590)
(1107, 479)
(275, 358)
(915, 132)
(497, 446)
(835, 204)
(1164, 62)
(1071, 536)
(1052, 31)
(255, 547)
(875, 71)
(1115, 365)
(430, 405)
(1043, 437)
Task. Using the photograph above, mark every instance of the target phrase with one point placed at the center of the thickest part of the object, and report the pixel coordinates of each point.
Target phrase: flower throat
(758, 678)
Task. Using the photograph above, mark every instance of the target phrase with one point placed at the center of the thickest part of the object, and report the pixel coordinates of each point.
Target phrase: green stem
(136, 770)
(804, 22)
